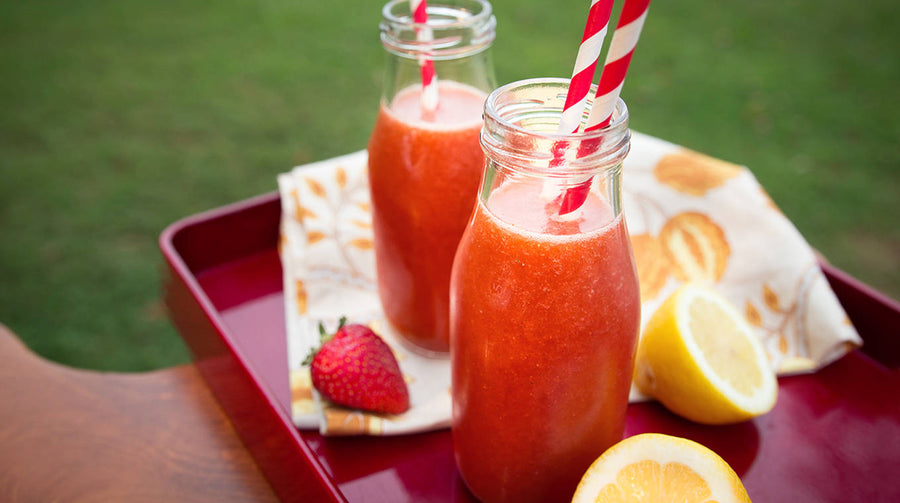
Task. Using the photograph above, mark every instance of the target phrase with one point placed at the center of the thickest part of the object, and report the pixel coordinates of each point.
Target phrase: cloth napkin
(691, 217)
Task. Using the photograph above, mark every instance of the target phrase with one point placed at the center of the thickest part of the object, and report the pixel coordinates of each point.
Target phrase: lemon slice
(659, 468)
(699, 357)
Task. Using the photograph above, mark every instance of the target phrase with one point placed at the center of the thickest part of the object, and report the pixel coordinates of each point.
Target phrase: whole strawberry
(355, 368)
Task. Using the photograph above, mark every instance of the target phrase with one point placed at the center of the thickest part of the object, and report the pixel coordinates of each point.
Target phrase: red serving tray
(833, 436)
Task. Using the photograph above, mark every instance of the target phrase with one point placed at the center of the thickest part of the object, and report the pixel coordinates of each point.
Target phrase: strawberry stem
(309, 357)
(324, 337)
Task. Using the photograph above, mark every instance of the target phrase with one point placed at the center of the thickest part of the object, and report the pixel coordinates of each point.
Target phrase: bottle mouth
(521, 120)
(457, 28)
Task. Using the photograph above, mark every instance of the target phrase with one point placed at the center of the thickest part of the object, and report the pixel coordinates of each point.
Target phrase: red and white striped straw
(585, 65)
(625, 38)
(419, 9)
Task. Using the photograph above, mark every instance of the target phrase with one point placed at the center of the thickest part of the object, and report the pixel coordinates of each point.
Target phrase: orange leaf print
(783, 345)
(693, 173)
(362, 243)
(340, 177)
(315, 187)
(301, 393)
(303, 212)
(365, 207)
(295, 197)
(771, 299)
(361, 224)
(299, 211)
(301, 297)
(696, 247)
(313, 237)
(344, 421)
(347, 422)
(652, 265)
(752, 314)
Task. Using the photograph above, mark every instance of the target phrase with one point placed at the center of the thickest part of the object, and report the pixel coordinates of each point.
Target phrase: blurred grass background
(119, 117)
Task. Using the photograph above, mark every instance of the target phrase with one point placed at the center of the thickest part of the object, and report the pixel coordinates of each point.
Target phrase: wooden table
(76, 435)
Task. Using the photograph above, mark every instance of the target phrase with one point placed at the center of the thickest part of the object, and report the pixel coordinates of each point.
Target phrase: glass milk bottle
(545, 308)
(425, 165)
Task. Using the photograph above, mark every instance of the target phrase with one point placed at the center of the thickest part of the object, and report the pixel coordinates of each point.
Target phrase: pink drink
(544, 329)
(424, 179)
(545, 308)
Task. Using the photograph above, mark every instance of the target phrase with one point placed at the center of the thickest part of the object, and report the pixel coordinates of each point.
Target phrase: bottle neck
(458, 41)
(522, 148)
(455, 29)
(519, 133)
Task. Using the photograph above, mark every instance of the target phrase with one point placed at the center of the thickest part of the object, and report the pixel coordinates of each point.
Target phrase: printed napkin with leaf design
(691, 218)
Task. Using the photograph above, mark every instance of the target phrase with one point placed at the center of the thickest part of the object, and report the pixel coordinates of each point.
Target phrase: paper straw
(624, 40)
(419, 10)
(612, 78)
(580, 84)
(585, 65)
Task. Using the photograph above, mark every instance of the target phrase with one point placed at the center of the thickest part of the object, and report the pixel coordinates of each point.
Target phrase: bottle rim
(520, 132)
(457, 27)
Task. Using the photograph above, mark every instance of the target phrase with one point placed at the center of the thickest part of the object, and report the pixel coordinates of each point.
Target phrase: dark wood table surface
(78, 436)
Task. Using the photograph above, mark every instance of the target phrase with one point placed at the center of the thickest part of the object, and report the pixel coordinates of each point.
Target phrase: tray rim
(180, 270)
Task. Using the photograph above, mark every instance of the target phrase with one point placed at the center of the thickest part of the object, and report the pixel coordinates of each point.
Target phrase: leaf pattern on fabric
(770, 298)
(313, 237)
(652, 265)
(696, 247)
(362, 243)
(752, 314)
(302, 301)
(316, 188)
(301, 392)
(694, 173)
(341, 421)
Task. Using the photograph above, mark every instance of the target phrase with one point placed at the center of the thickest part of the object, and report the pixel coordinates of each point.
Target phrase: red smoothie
(545, 320)
(423, 177)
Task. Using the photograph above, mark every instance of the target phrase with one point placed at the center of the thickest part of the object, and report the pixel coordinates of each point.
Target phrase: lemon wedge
(659, 468)
(699, 357)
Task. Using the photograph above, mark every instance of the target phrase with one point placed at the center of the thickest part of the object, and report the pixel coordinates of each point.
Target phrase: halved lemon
(652, 467)
(699, 357)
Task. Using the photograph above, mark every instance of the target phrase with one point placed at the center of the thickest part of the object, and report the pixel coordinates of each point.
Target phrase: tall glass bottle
(424, 166)
(545, 306)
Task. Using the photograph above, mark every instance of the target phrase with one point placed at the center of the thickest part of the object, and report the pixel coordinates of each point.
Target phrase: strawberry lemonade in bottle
(425, 160)
(545, 309)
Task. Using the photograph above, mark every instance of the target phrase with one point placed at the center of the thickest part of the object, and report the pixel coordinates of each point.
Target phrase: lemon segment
(652, 467)
(699, 357)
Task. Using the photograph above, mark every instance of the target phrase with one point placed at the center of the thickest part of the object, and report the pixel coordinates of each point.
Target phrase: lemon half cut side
(700, 358)
(658, 468)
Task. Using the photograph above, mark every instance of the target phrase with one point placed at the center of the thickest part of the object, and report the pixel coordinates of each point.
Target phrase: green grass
(120, 117)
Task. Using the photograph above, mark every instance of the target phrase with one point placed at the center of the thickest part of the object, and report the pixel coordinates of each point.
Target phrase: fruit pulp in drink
(545, 318)
(423, 177)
